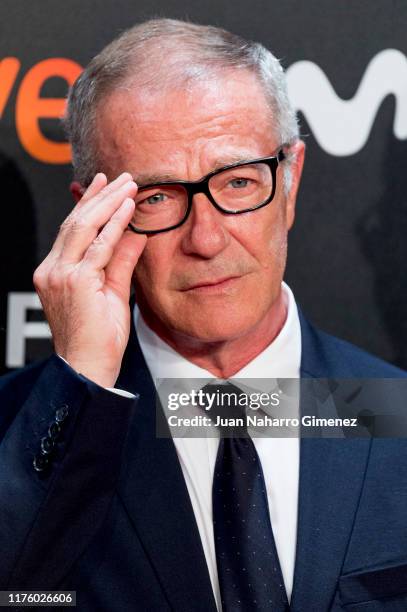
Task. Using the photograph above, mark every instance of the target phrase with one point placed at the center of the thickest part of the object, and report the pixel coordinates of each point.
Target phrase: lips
(219, 282)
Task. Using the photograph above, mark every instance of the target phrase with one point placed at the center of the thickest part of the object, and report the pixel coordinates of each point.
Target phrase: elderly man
(185, 135)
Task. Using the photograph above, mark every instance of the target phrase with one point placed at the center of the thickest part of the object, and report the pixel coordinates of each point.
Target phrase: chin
(219, 327)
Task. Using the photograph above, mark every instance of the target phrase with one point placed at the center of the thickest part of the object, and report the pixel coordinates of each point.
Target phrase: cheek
(276, 239)
(275, 234)
(277, 252)
(153, 268)
(263, 234)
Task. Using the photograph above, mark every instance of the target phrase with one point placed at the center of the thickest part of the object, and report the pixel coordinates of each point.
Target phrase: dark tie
(249, 571)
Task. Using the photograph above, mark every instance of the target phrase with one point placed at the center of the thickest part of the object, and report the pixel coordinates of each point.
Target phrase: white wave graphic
(342, 127)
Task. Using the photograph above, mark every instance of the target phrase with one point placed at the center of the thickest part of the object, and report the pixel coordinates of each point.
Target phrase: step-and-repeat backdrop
(347, 73)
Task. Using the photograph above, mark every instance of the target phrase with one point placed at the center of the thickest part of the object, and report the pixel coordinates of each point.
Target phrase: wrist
(102, 376)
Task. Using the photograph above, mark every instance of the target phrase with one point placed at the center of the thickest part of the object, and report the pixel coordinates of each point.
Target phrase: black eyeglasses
(233, 189)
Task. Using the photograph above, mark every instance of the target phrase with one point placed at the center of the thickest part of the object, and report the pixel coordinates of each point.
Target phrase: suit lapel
(331, 477)
(153, 490)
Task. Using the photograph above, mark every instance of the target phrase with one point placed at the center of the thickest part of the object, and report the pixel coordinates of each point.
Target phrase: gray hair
(163, 53)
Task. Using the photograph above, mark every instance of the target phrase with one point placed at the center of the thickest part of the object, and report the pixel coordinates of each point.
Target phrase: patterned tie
(249, 571)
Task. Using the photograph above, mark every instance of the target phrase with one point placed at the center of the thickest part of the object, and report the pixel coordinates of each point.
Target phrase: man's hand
(84, 282)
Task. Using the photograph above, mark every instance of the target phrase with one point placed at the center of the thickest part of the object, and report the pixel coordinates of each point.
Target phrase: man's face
(217, 276)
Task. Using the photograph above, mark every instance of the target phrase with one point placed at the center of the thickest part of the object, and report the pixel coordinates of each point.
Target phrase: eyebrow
(152, 179)
(241, 156)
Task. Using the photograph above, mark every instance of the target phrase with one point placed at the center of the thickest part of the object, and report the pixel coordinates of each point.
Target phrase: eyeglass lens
(234, 190)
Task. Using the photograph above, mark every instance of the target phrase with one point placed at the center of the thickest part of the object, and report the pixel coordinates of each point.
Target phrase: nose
(205, 234)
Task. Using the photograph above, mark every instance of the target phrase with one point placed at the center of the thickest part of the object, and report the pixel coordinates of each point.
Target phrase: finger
(101, 250)
(87, 225)
(102, 187)
(99, 182)
(92, 196)
(119, 271)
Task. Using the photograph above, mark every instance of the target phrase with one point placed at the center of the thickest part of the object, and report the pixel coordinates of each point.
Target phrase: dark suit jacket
(111, 517)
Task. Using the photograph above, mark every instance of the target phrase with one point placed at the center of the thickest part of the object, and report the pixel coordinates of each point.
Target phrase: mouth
(211, 286)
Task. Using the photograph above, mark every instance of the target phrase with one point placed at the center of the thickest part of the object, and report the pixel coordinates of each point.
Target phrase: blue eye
(157, 198)
(239, 183)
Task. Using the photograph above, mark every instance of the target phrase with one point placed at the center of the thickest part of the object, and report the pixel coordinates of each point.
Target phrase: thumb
(120, 268)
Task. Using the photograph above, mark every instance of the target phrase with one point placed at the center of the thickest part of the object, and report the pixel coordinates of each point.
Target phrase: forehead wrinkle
(167, 129)
(207, 119)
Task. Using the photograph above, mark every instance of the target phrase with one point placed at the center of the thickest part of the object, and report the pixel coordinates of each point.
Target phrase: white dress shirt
(279, 456)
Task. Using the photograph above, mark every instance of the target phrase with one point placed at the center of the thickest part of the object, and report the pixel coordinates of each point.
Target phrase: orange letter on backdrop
(9, 68)
(30, 108)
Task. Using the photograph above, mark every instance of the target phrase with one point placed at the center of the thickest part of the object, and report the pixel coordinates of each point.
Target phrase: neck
(223, 359)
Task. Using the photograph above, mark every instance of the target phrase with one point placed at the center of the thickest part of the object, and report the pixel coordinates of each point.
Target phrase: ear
(76, 190)
(298, 153)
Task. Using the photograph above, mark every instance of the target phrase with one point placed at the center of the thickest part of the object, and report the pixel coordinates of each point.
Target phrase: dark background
(348, 250)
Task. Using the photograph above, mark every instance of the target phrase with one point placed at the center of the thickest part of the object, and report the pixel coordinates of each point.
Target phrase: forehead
(215, 121)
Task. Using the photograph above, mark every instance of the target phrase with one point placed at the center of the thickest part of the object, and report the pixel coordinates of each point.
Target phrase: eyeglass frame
(202, 186)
